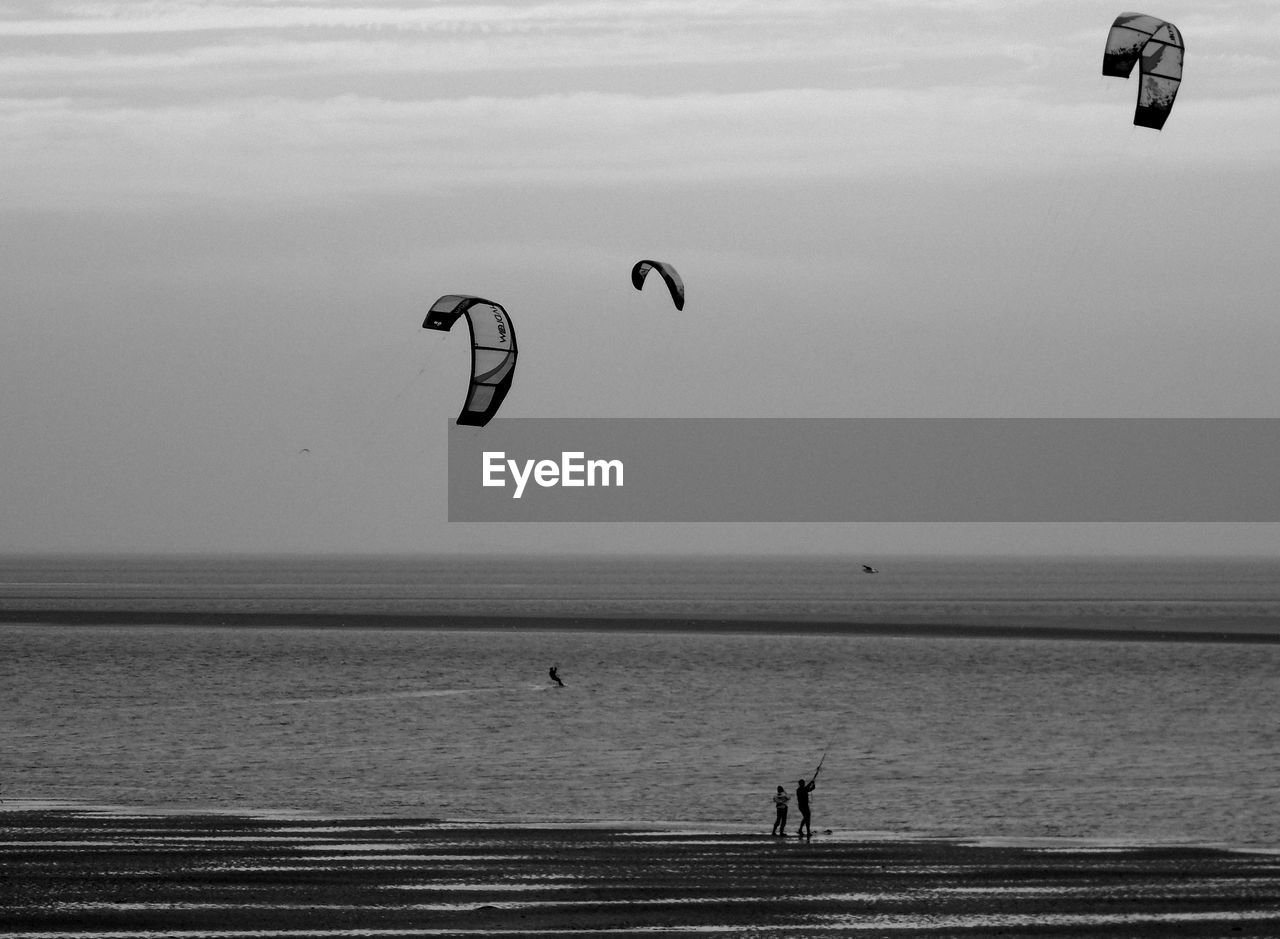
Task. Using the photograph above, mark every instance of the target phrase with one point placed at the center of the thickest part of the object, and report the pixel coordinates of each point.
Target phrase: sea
(993, 699)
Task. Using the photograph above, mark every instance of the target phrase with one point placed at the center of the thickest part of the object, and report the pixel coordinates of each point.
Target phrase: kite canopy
(674, 283)
(493, 351)
(1158, 45)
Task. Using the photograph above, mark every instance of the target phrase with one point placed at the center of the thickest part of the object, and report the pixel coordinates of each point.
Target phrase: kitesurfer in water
(555, 677)
(805, 829)
(780, 823)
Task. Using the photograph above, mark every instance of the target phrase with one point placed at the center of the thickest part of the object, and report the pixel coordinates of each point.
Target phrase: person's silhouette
(805, 829)
(780, 822)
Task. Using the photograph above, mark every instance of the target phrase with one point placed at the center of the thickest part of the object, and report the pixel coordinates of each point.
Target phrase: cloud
(309, 97)
(186, 17)
(185, 40)
(64, 151)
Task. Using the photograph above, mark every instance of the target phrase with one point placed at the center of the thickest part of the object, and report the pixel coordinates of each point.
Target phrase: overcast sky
(221, 225)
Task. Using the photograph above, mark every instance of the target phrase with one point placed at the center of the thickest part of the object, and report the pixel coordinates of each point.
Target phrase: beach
(244, 749)
(87, 872)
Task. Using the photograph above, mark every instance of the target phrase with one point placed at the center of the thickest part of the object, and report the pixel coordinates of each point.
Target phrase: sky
(221, 225)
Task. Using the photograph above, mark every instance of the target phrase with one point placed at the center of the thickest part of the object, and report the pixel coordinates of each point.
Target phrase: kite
(1136, 37)
(493, 351)
(674, 283)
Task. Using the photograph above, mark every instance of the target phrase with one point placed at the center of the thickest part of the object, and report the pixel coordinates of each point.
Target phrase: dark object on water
(555, 677)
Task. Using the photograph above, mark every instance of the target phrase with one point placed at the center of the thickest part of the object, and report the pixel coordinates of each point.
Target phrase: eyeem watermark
(866, 470)
(573, 470)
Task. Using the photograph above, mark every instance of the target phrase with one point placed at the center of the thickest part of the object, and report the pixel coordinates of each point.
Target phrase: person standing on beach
(805, 828)
(780, 823)
(555, 677)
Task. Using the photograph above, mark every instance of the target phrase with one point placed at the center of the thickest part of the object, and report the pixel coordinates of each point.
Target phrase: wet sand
(79, 873)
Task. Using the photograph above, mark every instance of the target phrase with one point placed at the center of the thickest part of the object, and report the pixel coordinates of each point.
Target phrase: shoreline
(1244, 629)
(649, 828)
(86, 872)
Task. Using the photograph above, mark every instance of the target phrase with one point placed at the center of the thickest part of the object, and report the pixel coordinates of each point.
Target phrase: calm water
(974, 737)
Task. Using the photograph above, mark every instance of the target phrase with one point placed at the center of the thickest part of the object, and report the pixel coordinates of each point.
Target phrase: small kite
(674, 283)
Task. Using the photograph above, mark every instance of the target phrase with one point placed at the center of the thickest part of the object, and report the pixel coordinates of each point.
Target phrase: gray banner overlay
(866, 470)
